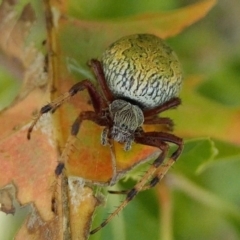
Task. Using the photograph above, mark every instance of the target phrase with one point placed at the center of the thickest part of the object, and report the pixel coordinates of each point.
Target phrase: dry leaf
(25, 61)
(7, 195)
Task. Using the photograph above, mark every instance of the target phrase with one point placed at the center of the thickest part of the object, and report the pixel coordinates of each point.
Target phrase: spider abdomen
(142, 68)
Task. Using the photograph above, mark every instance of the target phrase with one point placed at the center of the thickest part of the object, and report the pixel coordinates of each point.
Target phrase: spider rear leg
(97, 101)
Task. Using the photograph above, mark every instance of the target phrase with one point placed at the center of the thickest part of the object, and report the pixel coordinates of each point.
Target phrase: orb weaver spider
(140, 77)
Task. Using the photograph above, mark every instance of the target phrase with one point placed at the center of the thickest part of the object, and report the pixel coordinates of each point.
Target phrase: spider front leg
(97, 101)
(87, 115)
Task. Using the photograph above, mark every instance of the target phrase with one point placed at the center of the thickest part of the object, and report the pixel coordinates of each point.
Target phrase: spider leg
(87, 115)
(152, 141)
(172, 103)
(167, 122)
(98, 71)
(163, 168)
(118, 192)
(97, 101)
(157, 139)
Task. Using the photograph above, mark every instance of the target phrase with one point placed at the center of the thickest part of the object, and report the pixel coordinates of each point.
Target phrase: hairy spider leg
(151, 116)
(97, 101)
(86, 115)
(49, 107)
(167, 122)
(98, 104)
(163, 168)
(98, 71)
(172, 103)
(133, 192)
(156, 139)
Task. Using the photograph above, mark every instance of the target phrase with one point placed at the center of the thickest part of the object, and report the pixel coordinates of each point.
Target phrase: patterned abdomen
(142, 68)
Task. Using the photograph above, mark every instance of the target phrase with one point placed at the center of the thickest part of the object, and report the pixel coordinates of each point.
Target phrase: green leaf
(203, 204)
(224, 86)
(196, 153)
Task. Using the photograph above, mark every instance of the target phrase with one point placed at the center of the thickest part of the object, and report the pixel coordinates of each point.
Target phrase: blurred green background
(210, 47)
(205, 202)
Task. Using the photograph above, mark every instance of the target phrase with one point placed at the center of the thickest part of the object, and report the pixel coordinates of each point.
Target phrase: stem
(206, 197)
(165, 199)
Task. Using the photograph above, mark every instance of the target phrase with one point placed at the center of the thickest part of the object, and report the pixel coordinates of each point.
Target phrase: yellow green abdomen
(142, 69)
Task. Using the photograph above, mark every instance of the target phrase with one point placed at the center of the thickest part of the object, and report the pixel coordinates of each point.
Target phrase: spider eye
(123, 126)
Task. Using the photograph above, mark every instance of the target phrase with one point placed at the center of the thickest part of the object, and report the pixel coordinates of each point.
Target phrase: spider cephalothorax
(126, 119)
(140, 77)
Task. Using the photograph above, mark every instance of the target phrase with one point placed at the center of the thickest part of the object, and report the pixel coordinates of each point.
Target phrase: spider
(140, 77)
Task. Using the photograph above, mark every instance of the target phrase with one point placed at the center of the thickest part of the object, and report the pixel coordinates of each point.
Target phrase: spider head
(126, 119)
